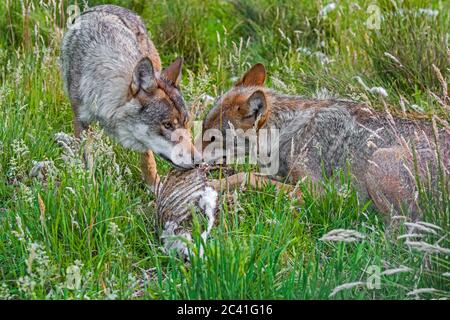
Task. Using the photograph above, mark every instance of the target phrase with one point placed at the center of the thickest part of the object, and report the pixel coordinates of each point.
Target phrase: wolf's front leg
(255, 180)
(81, 127)
(88, 153)
(149, 169)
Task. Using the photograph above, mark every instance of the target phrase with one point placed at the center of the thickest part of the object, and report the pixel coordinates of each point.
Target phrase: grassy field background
(64, 236)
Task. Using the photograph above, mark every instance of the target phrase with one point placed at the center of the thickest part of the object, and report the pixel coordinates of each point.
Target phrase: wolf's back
(99, 53)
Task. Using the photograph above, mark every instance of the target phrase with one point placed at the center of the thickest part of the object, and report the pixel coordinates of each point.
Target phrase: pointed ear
(254, 77)
(257, 104)
(143, 76)
(173, 72)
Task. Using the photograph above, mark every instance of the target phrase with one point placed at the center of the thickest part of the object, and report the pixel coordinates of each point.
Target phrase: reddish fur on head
(254, 77)
(243, 105)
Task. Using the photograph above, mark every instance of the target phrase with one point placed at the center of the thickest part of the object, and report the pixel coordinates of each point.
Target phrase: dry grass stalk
(343, 235)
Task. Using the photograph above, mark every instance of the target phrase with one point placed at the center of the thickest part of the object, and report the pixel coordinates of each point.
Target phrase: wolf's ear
(254, 77)
(257, 104)
(143, 76)
(173, 72)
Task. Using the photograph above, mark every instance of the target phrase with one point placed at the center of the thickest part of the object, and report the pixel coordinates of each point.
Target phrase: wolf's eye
(168, 125)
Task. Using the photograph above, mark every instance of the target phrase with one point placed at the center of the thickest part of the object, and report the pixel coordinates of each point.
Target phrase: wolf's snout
(184, 155)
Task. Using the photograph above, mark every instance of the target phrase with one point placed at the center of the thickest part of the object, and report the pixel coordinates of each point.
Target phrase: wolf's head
(244, 106)
(156, 116)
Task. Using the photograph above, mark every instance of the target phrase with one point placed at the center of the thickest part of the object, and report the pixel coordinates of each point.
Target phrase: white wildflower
(327, 9)
(344, 191)
(111, 294)
(206, 99)
(42, 168)
(17, 163)
(26, 194)
(19, 233)
(114, 230)
(73, 276)
(379, 90)
(5, 293)
(69, 146)
(429, 12)
(31, 256)
(272, 221)
(374, 90)
(322, 57)
(26, 284)
(304, 50)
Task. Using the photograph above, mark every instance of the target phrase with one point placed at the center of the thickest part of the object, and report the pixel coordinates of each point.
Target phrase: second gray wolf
(384, 154)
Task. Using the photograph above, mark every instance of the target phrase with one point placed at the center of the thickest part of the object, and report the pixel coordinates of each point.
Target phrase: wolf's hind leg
(390, 181)
(78, 126)
(254, 180)
(149, 169)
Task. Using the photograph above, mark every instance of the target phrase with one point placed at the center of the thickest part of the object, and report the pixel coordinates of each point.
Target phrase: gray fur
(102, 55)
(315, 141)
(322, 136)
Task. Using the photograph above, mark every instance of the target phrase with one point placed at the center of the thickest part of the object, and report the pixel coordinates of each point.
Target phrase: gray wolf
(112, 74)
(383, 153)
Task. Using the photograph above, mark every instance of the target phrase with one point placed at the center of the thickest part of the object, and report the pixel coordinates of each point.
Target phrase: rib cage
(177, 196)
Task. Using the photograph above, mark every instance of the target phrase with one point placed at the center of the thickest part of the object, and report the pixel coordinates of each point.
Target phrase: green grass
(94, 239)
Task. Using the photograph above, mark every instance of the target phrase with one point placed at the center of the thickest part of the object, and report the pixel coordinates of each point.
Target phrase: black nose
(196, 161)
